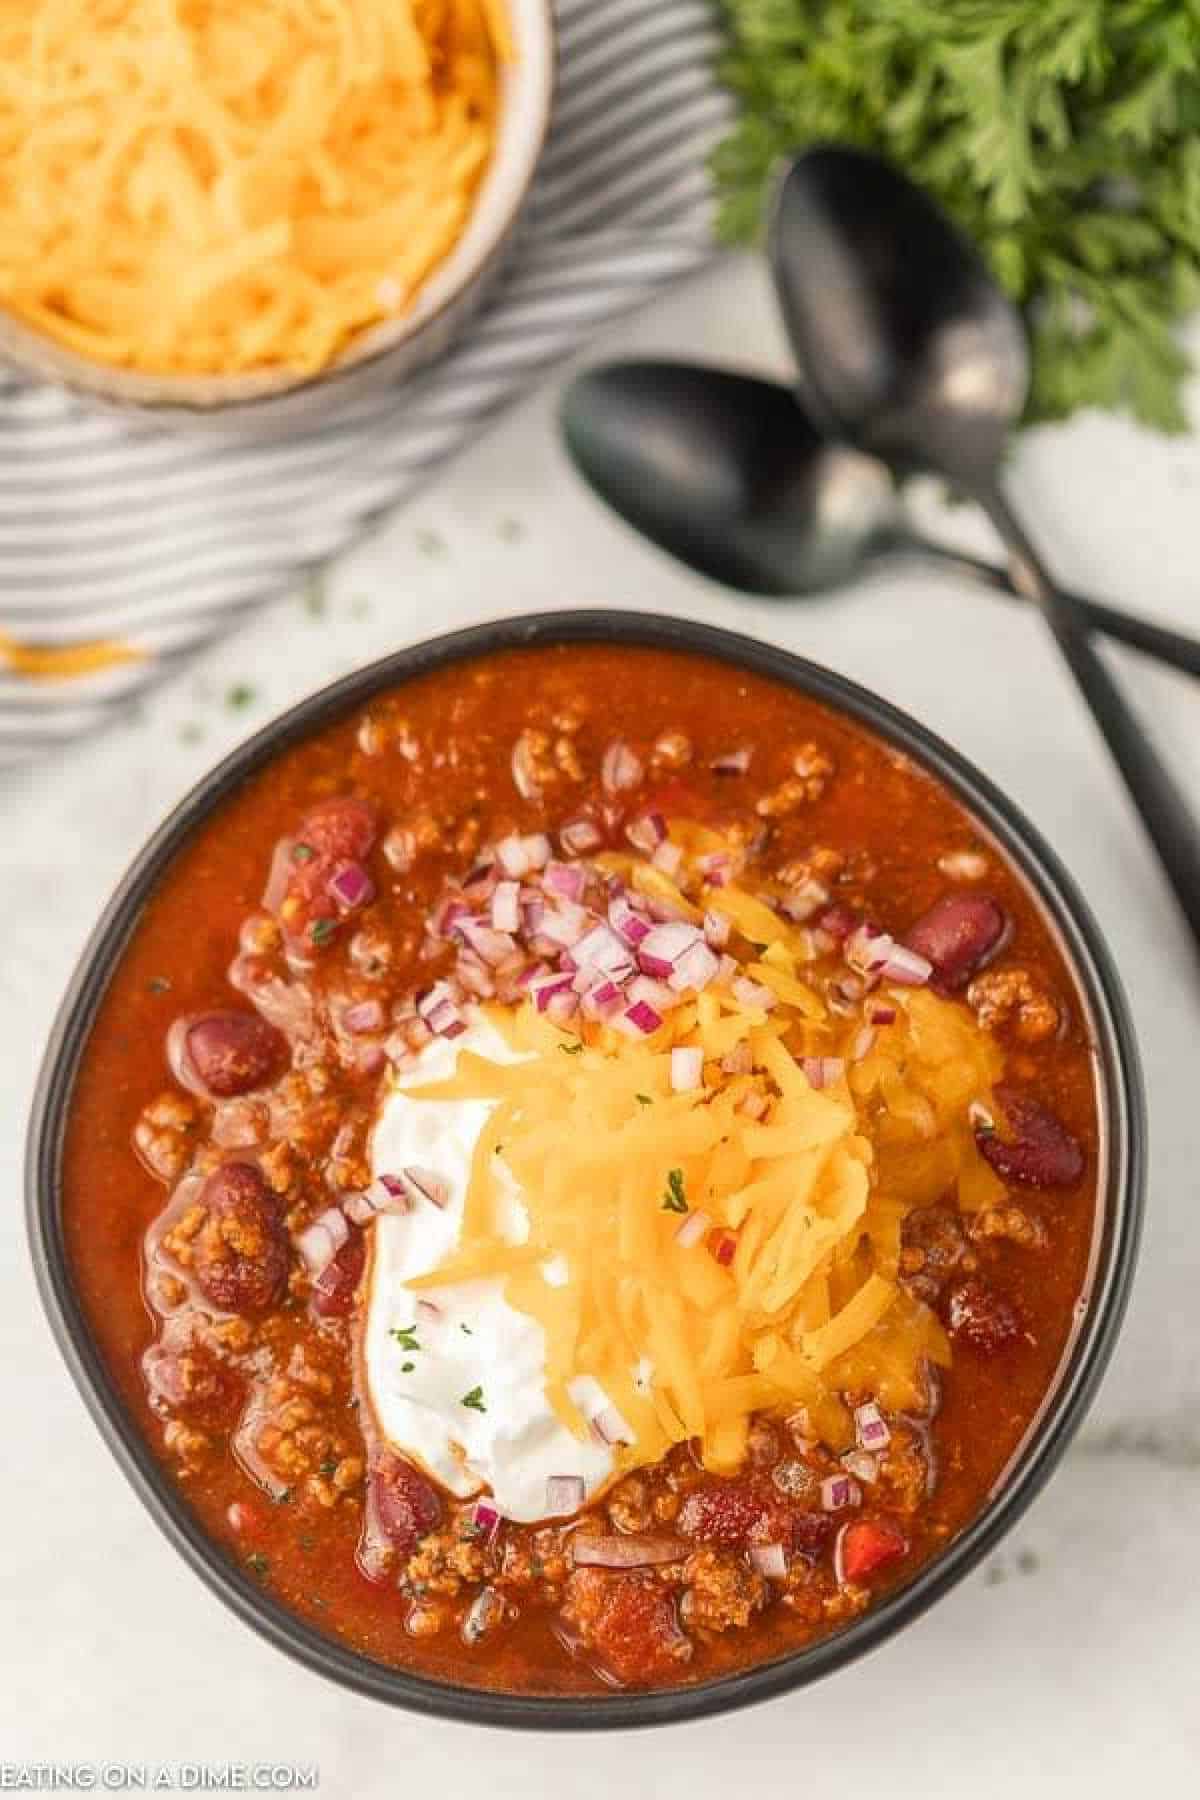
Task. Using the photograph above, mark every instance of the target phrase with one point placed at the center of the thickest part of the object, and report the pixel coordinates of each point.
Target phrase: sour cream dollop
(462, 1393)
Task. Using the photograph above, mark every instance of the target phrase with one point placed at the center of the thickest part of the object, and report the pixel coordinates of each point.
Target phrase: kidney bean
(240, 1252)
(958, 935)
(232, 1052)
(736, 1512)
(981, 1317)
(1040, 1152)
(404, 1504)
(335, 1287)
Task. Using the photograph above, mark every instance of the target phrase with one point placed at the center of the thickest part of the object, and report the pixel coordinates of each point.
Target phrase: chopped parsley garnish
(284, 1497)
(302, 853)
(570, 1049)
(644, 1099)
(474, 1400)
(675, 1200)
(321, 930)
(259, 1564)
(329, 1466)
(407, 1368)
(239, 696)
(467, 1329)
(406, 1336)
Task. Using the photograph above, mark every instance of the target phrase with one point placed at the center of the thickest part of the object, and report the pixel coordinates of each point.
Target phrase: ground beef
(628, 1622)
(721, 1591)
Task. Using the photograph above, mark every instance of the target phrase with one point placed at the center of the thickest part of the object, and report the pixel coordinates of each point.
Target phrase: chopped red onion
(696, 968)
(732, 762)
(821, 1071)
(693, 1230)
(667, 859)
(626, 922)
(716, 868)
(979, 1117)
(687, 1068)
(753, 1104)
(654, 993)
(543, 990)
(770, 1560)
(440, 994)
(862, 1465)
(446, 1021)
(724, 1248)
(279, 875)
(486, 1519)
(351, 887)
(752, 993)
(609, 1426)
(567, 880)
(492, 947)
(718, 928)
(579, 836)
(425, 1184)
(882, 1015)
(428, 1314)
(905, 967)
(739, 1060)
(506, 906)
(647, 832)
(562, 1007)
(863, 1044)
(642, 1017)
(538, 849)
(565, 1494)
(565, 923)
(386, 1194)
(364, 1016)
(602, 949)
(513, 857)
(870, 1427)
(629, 1551)
(320, 1242)
(838, 1492)
(474, 975)
(358, 1208)
(621, 769)
(662, 947)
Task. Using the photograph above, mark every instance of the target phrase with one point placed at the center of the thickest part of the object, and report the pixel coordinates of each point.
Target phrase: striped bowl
(272, 403)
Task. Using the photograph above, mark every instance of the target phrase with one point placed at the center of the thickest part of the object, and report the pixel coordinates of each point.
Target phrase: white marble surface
(1068, 1665)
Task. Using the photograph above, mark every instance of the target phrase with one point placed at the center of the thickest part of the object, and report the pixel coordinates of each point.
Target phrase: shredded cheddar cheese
(64, 662)
(632, 1192)
(215, 186)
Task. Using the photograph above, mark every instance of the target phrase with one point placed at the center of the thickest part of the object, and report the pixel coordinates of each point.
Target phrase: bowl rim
(253, 393)
(1123, 1118)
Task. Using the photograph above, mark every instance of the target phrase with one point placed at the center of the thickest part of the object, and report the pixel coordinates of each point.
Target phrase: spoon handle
(1174, 647)
(1165, 810)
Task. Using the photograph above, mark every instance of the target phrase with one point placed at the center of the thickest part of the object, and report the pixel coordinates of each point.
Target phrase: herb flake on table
(675, 1199)
(474, 1400)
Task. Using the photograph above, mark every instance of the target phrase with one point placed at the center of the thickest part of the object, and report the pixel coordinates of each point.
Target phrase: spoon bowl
(904, 343)
(726, 473)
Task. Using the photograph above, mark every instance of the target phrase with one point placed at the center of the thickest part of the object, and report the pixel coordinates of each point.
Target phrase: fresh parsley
(321, 930)
(674, 1199)
(406, 1336)
(467, 1329)
(407, 1368)
(239, 696)
(302, 853)
(644, 1099)
(474, 1400)
(1060, 134)
(258, 1564)
(570, 1049)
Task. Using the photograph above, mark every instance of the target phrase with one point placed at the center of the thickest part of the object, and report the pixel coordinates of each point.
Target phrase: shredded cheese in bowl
(223, 186)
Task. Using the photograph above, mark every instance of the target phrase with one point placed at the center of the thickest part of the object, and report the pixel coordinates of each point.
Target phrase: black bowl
(1123, 1159)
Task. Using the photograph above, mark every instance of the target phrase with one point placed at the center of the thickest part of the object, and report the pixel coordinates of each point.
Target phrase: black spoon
(906, 347)
(726, 473)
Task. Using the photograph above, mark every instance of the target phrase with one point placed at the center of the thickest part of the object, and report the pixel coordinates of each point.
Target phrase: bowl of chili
(706, 869)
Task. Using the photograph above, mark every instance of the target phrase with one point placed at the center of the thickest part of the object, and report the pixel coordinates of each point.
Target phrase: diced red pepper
(723, 1245)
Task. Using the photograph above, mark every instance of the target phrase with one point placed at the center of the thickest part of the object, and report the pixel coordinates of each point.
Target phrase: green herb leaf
(1061, 134)
(258, 1564)
(675, 1200)
(321, 930)
(329, 1466)
(405, 1336)
(302, 853)
(474, 1400)
(644, 1099)
(239, 696)
(467, 1329)
(570, 1049)
(407, 1368)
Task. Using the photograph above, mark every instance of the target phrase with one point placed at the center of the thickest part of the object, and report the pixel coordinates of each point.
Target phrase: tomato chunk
(869, 1545)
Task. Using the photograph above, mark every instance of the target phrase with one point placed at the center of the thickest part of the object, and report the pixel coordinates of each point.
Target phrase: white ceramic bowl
(273, 402)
